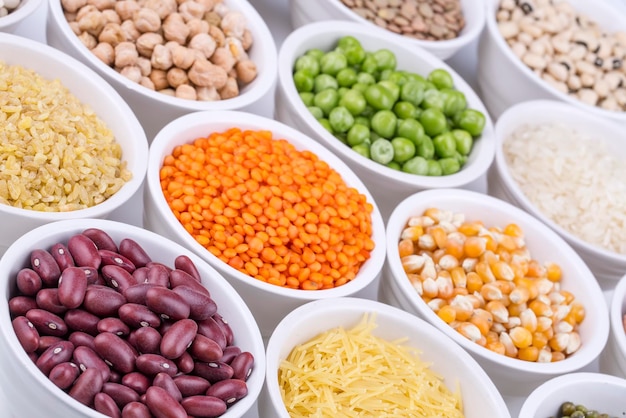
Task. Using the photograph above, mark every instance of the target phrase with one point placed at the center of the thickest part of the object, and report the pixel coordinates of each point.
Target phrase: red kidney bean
(115, 377)
(226, 329)
(209, 328)
(46, 267)
(134, 252)
(47, 323)
(146, 340)
(158, 275)
(165, 325)
(242, 365)
(164, 301)
(79, 338)
(162, 405)
(190, 385)
(135, 316)
(62, 256)
(141, 275)
(86, 358)
(84, 251)
(184, 263)
(101, 239)
(115, 351)
(64, 374)
(19, 305)
(46, 341)
(72, 287)
(137, 293)
(156, 263)
(181, 278)
(117, 277)
(113, 325)
(201, 306)
(81, 320)
(26, 333)
(111, 258)
(86, 386)
(230, 353)
(213, 371)
(228, 390)
(178, 337)
(137, 381)
(136, 410)
(105, 404)
(33, 356)
(121, 394)
(204, 406)
(205, 349)
(93, 275)
(184, 363)
(28, 281)
(165, 381)
(48, 300)
(103, 301)
(153, 364)
(55, 354)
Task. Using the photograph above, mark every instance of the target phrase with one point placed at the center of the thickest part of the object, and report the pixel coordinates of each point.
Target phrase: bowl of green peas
(400, 117)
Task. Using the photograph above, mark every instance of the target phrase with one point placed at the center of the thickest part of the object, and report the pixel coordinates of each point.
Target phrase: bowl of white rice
(567, 167)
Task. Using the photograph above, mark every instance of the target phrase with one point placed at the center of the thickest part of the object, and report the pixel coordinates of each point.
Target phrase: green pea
(404, 110)
(324, 82)
(365, 78)
(341, 120)
(355, 55)
(385, 59)
(398, 77)
(341, 91)
(379, 97)
(393, 88)
(441, 78)
(403, 149)
(332, 62)
(463, 141)
(354, 101)
(360, 87)
(326, 100)
(384, 123)
(316, 112)
(381, 151)
(315, 53)
(306, 97)
(374, 136)
(433, 121)
(449, 166)
(385, 74)
(347, 41)
(416, 165)
(434, 169)
(341, 137)
(413, 92)
(325, 124)
(433, 99)
(308, 64)
(303, 81)
(445, 145)
(567, 408)
(363, 149)
(472, 121)
(369, 64)
(462, 159)
(346, 77)
(357, 134)
(394, 165)
(426, 148)
(411, 129)
(453, 102)
(368, 112)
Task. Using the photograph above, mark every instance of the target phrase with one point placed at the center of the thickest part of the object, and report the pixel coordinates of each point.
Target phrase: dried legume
(9, 6)
(280, 215)
(431, 20)
(572, 410)
(567, 49)
(484, 283)
(56, 154)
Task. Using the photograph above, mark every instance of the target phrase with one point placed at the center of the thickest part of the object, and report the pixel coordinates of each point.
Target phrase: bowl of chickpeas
(498, 282)
(613, 358)
(278, 215)
(169, 58)
(15, 13)
(401, 118)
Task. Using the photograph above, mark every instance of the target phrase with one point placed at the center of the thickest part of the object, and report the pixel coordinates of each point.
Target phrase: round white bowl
(304, 11)
(93, 91)
(607, 266)
(504, 80)
(613, 358)
(596, 391)
(21, 378)
(19, 16)
(480, 396)
(388, 186)
(269, 303)
(154, 109)
(513, 377)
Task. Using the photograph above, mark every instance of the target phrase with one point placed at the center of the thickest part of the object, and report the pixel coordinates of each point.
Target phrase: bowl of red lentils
(570, 50)
(71, 147)
(440, 27)
(613, 358)
(13, 13)
(278, 215)
(498, 282)
(169, 58)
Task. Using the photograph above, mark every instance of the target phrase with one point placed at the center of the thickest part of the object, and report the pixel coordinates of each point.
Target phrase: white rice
(573, 179)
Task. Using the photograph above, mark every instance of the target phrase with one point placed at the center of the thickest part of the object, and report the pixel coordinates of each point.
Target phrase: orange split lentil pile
(273, 212)
(485, 284)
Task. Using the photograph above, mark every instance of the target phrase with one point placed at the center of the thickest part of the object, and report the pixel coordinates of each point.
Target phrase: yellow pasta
(352, 373)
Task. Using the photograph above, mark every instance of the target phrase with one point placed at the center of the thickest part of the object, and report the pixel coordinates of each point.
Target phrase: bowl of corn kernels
(613, 358)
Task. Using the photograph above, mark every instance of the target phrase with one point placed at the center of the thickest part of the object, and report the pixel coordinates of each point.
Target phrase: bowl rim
(560, 110)
(18, 15)
(616, 313)
(137, 141)
(493, 32)
(67, 227)
(254, 91)
(481, 156)
(592, 347)
(162, 141)
(303, 314)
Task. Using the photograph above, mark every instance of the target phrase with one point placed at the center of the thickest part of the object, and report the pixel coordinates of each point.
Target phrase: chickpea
(147, 83)
(111, 16)
(132, 72)
(205, 74)
(230, 89)
(130, 30)
(126, 9)
(161, 58)
(146, 43)
(246, 71)
(176, 77)
(113, 34)
(85, 10)
(204, 43)
(92, 22)
(105, 53)
(70, 17)
(144, 65)
(183, 57)
(208, 4)
(213, 19)
(234, 46)
(88, 40)
(246, 40)
(72, 6)
(168, 92)
(233, 24)
(217, 35)
(159, 79)
(163, 8)
(207, 94)
(222, 57)
(174, 29)
(221, 9)
(185, 91)
(75, 28)
(146, 20)
(125, 54)
(102, 4)
(191, 10)
(197, 26)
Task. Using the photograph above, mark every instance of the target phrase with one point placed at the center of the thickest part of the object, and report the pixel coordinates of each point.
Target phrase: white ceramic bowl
(513, 377)
(480, 396)
(504, 80)
(154, 109)
(613, 358)
(20, 377)
(93, 91)
(388, 186)
(19, 16)
(269, 303)
(607, 266)
(303, 12)
(596, 391)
